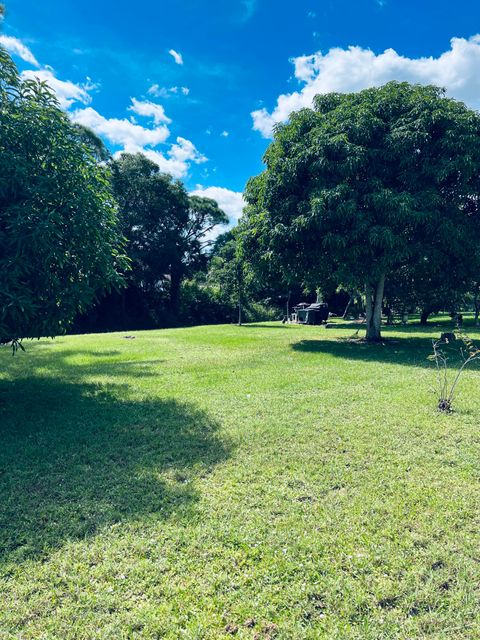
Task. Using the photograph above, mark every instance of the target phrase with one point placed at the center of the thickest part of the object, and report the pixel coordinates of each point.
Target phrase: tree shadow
(405, 351)
(435, 323)
(258, 325)
(67, 363)
(77, 457)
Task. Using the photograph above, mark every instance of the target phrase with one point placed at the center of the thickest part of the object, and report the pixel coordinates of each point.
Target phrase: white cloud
(353, 69)
(16, 47)
(157, 91)
(177, 160)
(231, 202)
(125, 133)
(224, 134)
(150, 110)
(176, 56)
(67, 92)
(132, 137)
(166, 92)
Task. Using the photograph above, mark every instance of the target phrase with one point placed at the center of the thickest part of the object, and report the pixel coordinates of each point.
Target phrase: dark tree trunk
(424, 316)
(240, 294)
(348, 306)
(389, 314)
(374, 300)
(477, 309)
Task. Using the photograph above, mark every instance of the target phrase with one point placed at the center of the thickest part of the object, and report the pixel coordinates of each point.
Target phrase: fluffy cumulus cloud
(120, 131)
(17, 48)
(67, 92)
(353, 69)
(231, 202)
(134, 138)
(177, 159)
(176, 56)
(149, 109)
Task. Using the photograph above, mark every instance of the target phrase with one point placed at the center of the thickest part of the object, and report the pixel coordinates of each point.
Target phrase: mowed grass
(264, 481)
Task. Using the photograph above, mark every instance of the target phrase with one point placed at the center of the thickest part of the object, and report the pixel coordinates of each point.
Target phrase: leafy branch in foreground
(468, 352)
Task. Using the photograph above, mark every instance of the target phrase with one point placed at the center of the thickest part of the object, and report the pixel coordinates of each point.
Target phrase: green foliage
(365, 184)
(230, 271)
(203, 304)
(153, 213)
(60, 247)
(93, 142)
(166, 228)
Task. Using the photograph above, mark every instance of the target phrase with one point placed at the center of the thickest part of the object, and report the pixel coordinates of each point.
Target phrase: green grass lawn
(261, 481)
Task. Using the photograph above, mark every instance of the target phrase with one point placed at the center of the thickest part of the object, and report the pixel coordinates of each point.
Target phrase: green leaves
(59, 242)
(167, 230)
(373, 182)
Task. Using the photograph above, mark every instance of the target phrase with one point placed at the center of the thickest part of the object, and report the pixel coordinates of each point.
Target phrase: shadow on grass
(77, 457)
(259, 325)
(436, 323)
(406, 351)
(68, 364)
(397, 328)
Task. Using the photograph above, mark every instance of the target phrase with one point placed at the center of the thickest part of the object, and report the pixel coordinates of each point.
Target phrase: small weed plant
(445, 351)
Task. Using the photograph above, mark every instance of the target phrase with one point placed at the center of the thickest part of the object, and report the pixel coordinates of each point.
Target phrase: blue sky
(191, 109)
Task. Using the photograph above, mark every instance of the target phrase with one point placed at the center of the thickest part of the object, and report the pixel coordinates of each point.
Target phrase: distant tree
(153, 209)
(93, 142)
(60, 246)
(166, 228)
(432, 284)
(220, 241)
(366, 183)
(204, 215)
(231, 272)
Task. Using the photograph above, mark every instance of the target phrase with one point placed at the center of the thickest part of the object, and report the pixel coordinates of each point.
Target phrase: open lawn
(261, 481)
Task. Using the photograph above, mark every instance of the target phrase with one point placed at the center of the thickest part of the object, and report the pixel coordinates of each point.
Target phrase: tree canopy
(366, 183)
(59, 243)
(229, 270)
(167, 230)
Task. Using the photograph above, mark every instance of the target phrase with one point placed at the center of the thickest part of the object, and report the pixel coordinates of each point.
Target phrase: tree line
(370, 198)
(89, 242)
